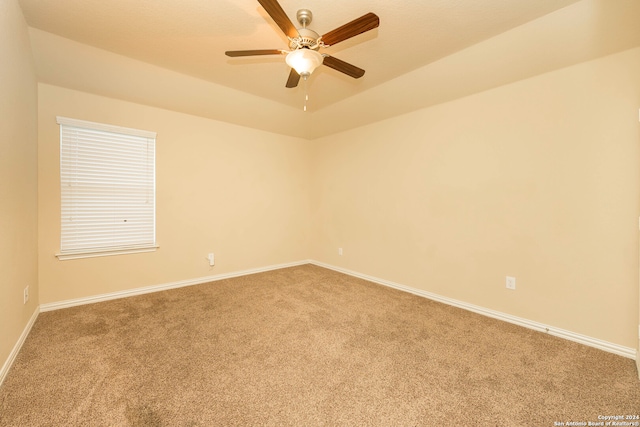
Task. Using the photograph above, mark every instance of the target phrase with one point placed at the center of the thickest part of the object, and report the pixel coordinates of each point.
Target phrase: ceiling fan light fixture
(304, 61)
(303, 56)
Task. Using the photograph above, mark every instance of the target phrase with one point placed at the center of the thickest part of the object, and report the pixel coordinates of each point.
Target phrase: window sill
(107, 252)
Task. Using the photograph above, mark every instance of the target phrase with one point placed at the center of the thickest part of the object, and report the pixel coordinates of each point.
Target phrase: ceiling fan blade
(234, 53)
(293, 79)
(357, 26)
(274, 10)
(343, 67)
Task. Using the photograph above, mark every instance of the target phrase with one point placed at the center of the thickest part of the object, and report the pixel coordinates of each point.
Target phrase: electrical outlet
(339, 251)
(511, 282)
(25, 295)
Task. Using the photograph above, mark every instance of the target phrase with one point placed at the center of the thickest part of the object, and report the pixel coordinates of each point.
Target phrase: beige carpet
(303, 346)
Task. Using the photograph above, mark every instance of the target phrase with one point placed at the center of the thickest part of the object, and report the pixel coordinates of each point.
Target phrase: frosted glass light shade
(304, 61)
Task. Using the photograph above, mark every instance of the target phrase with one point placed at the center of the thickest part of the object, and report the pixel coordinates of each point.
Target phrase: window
(107, 186)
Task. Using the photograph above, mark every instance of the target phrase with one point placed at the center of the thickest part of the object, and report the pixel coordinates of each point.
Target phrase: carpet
(303, 346)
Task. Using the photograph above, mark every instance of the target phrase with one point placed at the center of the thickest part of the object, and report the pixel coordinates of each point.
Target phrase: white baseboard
(551, 330)
(16, 348)
(157, 288)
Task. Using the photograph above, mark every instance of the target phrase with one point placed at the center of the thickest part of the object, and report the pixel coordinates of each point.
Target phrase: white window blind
(107, 178)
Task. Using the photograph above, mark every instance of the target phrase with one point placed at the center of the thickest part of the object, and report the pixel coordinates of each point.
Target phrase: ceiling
(170, 53)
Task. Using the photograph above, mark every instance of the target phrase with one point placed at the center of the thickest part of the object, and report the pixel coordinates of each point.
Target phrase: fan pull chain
(306, 95)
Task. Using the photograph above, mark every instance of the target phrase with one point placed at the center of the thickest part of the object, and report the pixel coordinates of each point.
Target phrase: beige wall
(18, 177)
(240, 193)
(539, 180)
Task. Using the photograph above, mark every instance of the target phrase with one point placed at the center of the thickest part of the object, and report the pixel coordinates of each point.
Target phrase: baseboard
(16, 348)
(551, 330)
(157, 288)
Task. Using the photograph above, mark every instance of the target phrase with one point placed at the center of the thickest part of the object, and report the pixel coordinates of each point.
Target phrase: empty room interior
(411, 245)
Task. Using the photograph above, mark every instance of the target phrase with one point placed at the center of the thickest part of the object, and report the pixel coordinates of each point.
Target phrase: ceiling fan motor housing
(307, 39)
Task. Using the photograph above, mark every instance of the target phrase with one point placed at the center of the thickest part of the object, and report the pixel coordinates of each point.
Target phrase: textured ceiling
(416, 39)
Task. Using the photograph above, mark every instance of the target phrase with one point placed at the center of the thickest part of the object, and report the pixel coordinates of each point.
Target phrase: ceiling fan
(303, 56)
